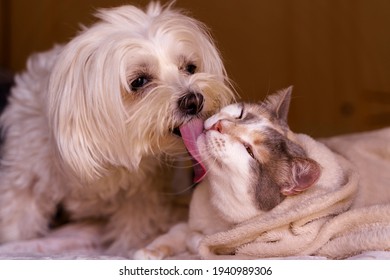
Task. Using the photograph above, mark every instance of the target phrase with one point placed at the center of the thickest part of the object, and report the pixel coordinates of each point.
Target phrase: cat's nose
(191, 103)
(217, 126)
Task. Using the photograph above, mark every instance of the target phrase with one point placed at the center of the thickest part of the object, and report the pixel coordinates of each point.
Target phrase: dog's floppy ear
(85, 109)
(304, 173)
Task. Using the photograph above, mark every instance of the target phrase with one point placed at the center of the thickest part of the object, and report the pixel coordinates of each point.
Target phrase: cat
(253, 162)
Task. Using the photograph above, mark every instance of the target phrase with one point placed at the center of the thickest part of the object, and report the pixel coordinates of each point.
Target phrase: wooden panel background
(335, 53)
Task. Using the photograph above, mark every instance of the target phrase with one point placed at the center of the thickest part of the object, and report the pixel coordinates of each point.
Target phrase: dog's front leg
(166, 245)
(25, 210)
(139, 219)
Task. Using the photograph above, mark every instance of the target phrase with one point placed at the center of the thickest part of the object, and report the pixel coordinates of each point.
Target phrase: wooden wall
(336, 53)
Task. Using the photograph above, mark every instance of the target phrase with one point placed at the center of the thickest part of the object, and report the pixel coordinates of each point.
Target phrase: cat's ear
(304, 173)
(279, 103)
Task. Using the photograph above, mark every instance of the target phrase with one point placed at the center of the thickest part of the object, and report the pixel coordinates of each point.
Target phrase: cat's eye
(139, 82)
(249, 150)
(191, 68)
(241, 114)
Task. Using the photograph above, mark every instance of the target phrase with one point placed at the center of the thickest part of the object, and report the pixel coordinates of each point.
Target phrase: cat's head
(250, 157)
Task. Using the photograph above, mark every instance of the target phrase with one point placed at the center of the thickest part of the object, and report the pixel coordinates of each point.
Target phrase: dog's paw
(157, 253)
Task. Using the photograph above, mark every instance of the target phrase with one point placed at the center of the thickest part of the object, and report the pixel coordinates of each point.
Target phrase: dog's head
(122, 87)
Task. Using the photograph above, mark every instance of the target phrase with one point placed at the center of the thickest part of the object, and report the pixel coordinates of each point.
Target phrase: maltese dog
(90, 123)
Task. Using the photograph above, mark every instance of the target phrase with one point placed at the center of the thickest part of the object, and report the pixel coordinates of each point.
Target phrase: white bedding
(369, 152)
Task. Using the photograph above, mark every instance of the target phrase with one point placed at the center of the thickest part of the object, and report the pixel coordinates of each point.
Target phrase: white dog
(89, 123)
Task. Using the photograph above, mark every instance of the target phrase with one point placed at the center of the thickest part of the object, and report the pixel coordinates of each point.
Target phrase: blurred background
(336, 53)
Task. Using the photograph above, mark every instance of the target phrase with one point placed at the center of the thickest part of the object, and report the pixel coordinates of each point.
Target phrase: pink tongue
(190, 132)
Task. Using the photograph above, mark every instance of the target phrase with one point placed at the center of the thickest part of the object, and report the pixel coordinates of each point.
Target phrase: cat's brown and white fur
(254, 162)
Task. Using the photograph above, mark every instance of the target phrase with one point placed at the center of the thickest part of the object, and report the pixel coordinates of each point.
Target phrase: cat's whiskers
(177, 162)
(181, 191)
(185, 157)
(208, 157)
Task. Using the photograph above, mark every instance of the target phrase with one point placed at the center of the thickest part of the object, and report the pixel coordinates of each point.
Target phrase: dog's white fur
(77, 133)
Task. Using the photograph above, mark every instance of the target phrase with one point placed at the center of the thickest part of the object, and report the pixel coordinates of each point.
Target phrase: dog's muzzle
(191, 103)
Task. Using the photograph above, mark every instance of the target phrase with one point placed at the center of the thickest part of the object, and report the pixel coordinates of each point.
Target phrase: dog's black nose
(191, 103)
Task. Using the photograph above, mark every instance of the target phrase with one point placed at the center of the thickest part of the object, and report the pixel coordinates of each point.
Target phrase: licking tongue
(190, 132)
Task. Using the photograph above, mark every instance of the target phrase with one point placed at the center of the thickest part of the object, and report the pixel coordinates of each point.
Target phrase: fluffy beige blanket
(344, 220)
(336, 222)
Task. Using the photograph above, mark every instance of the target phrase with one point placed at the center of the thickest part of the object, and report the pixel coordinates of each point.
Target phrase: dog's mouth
(190, 132)
(176, 131)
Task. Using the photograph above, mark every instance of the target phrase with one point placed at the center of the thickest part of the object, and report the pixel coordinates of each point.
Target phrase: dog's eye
(139, 82)
(249, 150)
(191, 69)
